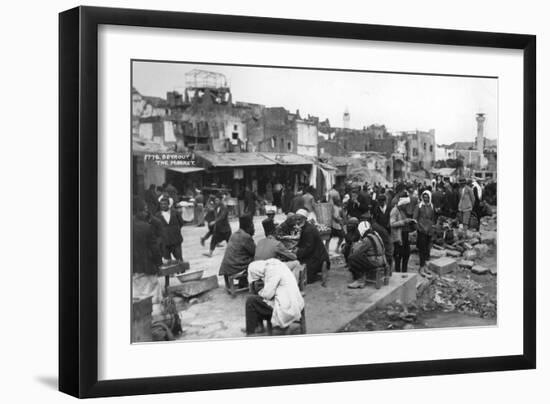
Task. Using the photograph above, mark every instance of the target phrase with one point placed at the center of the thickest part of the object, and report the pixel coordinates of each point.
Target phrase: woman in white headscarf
(424, 214)
(278, 298)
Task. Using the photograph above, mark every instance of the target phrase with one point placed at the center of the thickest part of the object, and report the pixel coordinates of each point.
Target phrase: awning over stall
(234, 159)
(289, 159)
(185, 170)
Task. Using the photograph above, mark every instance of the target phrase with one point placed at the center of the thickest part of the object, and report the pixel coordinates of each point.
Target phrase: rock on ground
(442, 265)
(453, 253)
(466, 264)
(480, 270)
(437, 253)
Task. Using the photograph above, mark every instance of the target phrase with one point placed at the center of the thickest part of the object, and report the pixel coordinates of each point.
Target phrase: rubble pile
(465, 245)
(457, 294)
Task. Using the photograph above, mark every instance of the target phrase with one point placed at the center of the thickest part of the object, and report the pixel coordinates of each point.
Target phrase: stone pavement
(215, 314)
(328, 309)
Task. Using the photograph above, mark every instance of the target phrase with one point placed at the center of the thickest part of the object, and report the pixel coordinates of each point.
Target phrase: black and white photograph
(275, 201)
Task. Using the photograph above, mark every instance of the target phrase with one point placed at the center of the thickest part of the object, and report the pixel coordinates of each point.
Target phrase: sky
(399, 101)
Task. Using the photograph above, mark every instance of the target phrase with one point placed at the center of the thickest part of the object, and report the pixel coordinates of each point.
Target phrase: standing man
(249, 202)
(311, 250)
(437, 200)
(424, 214)
(221, 230)
(297, 202)
(334, 195)
(399, 224)
(287, 197)
(353, 206)
(199, 209)
(170, 230)
(466, 202)
(381, 214)
(151, 199)
(146, 255)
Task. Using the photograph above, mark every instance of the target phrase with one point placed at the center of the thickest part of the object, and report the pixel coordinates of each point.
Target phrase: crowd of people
(372, 224)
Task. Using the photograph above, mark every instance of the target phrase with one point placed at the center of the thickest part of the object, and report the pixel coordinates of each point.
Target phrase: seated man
(269, 224)
(366, 256)
(351, 237)
(270, 247)
(311, 249)
(240, 249)
(287, 233)
(277, 297)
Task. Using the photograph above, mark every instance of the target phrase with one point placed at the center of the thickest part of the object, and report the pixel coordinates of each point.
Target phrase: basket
(324, 213)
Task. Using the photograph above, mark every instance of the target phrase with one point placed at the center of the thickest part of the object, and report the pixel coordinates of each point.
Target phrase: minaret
(480, 140)
(346, 118)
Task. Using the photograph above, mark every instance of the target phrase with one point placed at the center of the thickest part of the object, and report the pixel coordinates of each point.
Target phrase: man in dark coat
(240, 248)
(366, 204)
(438, 200)
(146, 256)
(268, 223)
(311, 249)
(249, 198)
(352, 236)
(366, 255)
(381, 213)
(287, 198)
(297, 202)
(151, 199)
(221, 230)
(171, 223)
(352, 207)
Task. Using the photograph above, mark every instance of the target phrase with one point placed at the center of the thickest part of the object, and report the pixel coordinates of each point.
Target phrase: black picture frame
(78, 207)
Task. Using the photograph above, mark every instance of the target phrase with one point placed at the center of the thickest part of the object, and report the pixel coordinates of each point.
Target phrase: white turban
(363, 227)
(403, 201)
(302, 212)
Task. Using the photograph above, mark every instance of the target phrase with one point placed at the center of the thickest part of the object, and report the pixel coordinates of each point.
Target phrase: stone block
(194, 288)
(493, 270)
(466, 264)
(442, 265)
(453, 253)
(437, 253)
(480, 270)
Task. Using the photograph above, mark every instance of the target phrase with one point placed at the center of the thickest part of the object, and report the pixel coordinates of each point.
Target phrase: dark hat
(366, 216)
